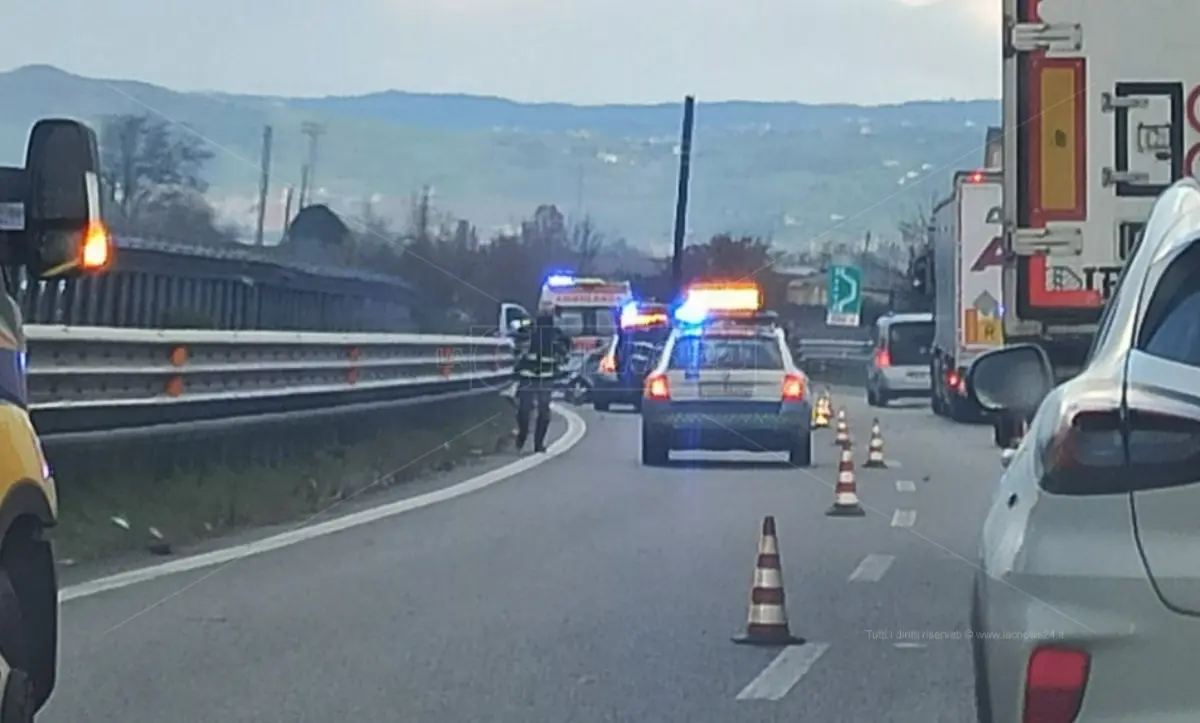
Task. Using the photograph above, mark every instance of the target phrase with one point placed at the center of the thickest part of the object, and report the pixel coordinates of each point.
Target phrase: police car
(643, 328)
(725, 381)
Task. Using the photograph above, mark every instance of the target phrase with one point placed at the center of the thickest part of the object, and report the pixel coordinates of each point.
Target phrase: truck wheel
(1004, 430)
(17, 704)
(655, 452)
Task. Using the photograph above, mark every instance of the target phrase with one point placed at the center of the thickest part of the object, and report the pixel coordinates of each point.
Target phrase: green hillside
(788, 170)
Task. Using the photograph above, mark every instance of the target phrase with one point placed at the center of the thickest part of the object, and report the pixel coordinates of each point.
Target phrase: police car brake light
(793, 387)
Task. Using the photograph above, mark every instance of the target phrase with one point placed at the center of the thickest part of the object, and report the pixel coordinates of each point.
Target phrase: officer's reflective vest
(533, 363)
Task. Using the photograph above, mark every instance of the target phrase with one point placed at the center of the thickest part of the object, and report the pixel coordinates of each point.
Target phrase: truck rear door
(980, 265)
(1100, 111)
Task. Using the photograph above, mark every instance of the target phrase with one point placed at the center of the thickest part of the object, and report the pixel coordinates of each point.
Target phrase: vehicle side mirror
(1014, 378)
(65, 235)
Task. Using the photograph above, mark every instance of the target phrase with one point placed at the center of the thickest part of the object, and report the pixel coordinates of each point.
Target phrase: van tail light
(608, 365)
(793, 388)
(657, 388)
(1054, 684)
(883, 359)
(954, 380)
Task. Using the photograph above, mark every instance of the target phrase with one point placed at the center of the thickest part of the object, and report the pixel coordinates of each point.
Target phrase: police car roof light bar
(742, 297)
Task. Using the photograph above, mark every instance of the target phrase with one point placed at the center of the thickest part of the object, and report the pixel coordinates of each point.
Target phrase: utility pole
(287, 208)
(681, 197)
(314, 131)
(264, 185)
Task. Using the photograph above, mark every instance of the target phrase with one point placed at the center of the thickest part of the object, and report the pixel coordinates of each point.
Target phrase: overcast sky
(580, 51)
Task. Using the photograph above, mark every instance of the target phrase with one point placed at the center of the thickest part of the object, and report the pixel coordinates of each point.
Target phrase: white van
(900, 356)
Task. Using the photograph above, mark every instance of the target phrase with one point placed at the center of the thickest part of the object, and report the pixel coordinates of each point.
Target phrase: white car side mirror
(1006, 457)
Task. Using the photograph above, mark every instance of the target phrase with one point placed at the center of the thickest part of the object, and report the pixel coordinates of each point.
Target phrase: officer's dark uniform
(543, 348)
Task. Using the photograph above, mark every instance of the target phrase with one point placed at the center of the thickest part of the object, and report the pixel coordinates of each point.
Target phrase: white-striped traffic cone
(767, 622)
(842, 438)
(845, 493)
(875, 458)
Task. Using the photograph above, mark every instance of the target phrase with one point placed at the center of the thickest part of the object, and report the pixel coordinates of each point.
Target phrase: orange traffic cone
(875, 458)
(842, 438)
(845, 494)
(767, 622)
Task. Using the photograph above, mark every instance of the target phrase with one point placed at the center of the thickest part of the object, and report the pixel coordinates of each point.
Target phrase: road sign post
(845, 296)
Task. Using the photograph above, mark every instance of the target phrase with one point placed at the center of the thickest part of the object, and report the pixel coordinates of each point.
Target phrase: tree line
(153, 173)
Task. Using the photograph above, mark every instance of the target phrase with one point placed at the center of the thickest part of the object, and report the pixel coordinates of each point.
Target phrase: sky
(576, 51)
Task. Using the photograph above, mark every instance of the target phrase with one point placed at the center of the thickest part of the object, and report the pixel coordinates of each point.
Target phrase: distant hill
(786, 169)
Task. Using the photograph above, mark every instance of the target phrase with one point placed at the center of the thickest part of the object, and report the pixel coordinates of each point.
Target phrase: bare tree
(586, 243)
(143, 156)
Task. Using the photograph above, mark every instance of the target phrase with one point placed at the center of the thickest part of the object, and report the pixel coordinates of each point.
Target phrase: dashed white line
(904, 518)
(784, 672)
(906, 485)
(892, 463)
(872, 568)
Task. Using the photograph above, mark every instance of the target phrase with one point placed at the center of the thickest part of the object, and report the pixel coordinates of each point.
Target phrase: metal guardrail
(91, 383)
(833, 350)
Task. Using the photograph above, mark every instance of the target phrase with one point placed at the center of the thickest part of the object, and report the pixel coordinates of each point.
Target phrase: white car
(726, 384)
(1086, 602)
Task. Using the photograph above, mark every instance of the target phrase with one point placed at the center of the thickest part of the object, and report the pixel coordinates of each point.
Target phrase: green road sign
(845, 296)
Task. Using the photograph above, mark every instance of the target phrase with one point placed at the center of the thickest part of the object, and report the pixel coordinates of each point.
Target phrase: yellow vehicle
(50, 228)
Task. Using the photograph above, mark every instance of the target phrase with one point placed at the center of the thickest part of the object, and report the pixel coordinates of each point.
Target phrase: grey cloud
(574, 50)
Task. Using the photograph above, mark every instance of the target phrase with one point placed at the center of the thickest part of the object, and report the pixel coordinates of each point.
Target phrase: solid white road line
(904, 518)
(893, 463)
(576, 428)
(872, 568)
(784, 672)
(906, 485)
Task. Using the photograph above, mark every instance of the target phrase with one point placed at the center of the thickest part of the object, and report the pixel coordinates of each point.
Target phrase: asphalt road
(586, 589)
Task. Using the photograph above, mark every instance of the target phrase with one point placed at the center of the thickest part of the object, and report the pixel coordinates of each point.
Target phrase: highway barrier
(90, 384)
(842, 361)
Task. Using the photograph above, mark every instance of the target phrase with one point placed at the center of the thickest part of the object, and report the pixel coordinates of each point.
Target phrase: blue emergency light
(560, 280)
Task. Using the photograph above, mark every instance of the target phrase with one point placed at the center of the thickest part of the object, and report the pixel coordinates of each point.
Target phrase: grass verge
(209, 500)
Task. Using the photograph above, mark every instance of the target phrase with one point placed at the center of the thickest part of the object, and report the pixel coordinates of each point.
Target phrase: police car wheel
(800, 454)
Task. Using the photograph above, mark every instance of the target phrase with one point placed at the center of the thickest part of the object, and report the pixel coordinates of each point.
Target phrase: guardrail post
(178, 357)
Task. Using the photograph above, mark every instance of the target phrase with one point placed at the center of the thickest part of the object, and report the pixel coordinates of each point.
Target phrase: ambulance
(587, 308)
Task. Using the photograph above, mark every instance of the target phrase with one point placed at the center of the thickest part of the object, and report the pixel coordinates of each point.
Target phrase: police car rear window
(726, 353)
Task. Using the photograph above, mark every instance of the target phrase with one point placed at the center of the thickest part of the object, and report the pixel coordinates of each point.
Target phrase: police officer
(543, 351)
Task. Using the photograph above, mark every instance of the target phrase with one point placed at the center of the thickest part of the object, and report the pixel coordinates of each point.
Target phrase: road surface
(586, 589)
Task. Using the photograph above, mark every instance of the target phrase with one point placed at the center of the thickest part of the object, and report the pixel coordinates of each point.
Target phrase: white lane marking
(909, 646)
(872, 568)
(576, 428)
(906, 485)
(904, 518)
(784, 672)
(892, 463)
